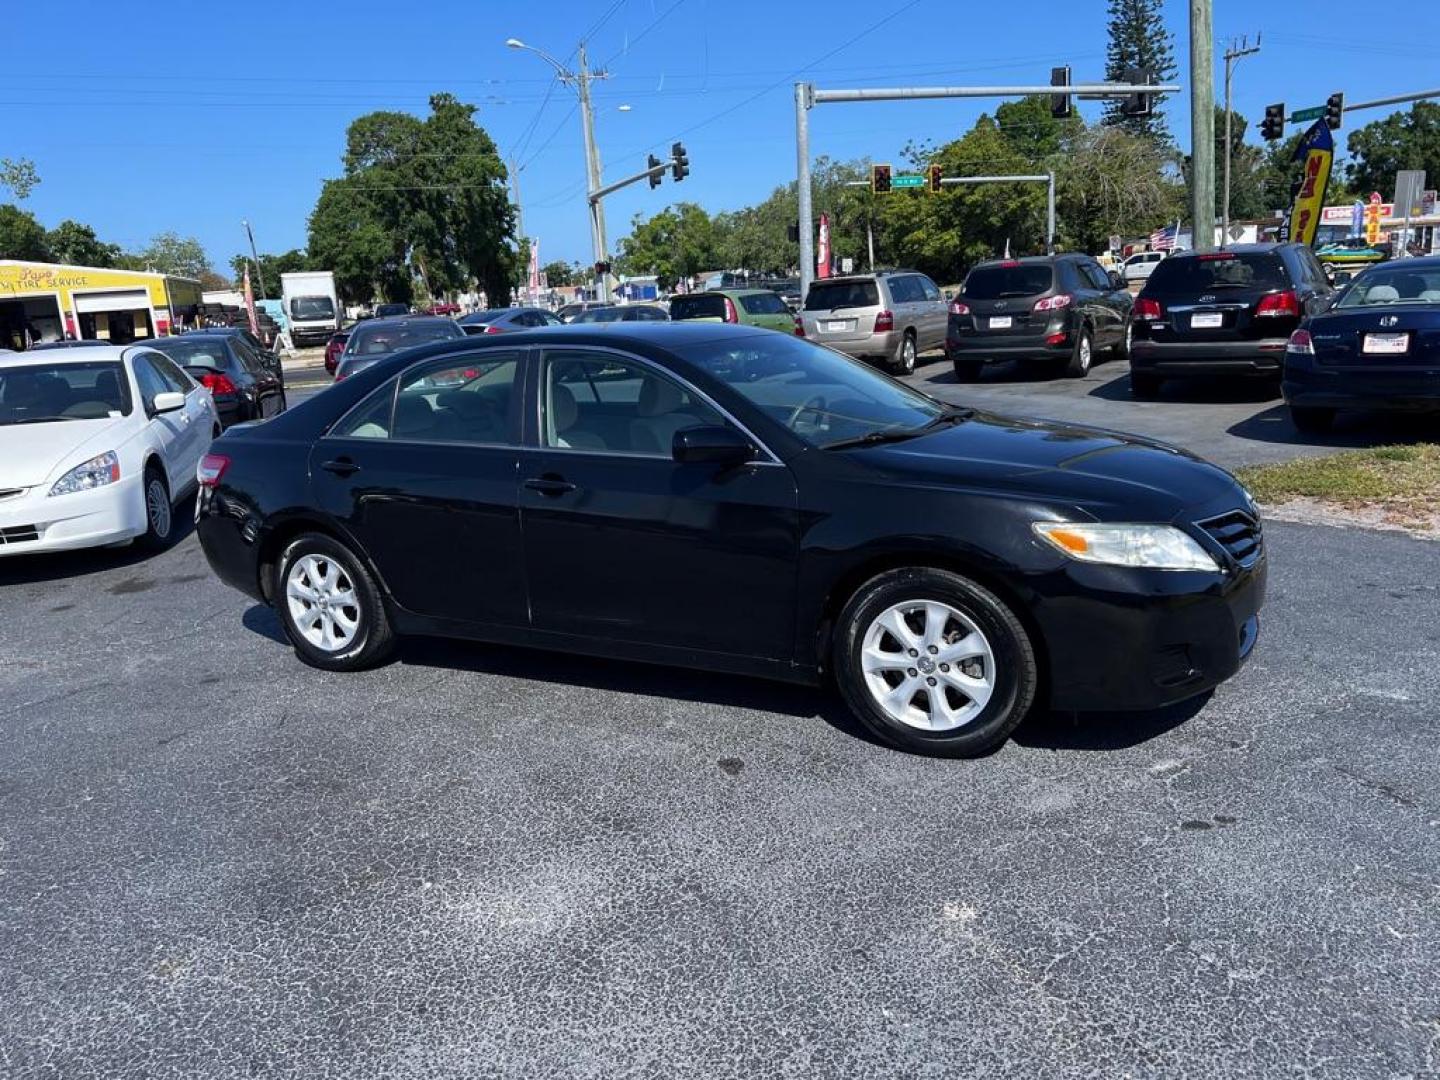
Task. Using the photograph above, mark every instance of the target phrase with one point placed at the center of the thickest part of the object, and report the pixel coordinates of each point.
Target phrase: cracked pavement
(215, 862)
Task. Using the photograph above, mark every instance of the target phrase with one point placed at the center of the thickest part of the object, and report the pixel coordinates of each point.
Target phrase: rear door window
(1000, 280)
(905, 290)
(708, 306)
(764, 304)
(1193, 275)
(828, 295)
(929, 288)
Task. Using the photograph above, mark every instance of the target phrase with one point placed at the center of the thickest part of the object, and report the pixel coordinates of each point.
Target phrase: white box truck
(311, 305)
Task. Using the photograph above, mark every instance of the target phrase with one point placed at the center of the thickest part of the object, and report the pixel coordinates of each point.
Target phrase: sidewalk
(306, 368)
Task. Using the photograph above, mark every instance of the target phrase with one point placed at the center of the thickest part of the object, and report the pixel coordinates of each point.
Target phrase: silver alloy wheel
(1084, 353)
(927, 665)
(157, 507)
(1129, 336)
(322, 602)
(907, 353)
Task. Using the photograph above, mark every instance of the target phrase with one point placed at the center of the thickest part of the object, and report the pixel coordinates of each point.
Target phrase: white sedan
(96, 446)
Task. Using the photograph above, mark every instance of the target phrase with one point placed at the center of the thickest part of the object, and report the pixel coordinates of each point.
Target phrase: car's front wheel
(159, 511)
(330, 605)
(933, 663)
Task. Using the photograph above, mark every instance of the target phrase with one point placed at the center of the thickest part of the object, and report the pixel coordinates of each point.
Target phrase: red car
(444, 309)
(333, 348)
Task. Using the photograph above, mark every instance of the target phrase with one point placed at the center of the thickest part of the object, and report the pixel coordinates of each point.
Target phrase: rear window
(829, 295)
(190, 352)
(998, 281)
(1393, 286)
(484, 316)
(1191, 275)
(382, 340)
(697, 307)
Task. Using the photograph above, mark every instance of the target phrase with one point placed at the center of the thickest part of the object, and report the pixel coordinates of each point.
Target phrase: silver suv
(891, 316)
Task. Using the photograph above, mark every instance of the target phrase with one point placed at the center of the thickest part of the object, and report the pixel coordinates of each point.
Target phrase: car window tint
(149, 378)
(371, 418)
(463, 399)
(904, 290)
(997, 281)
(929, 288)
(1096, 275)
(704, 306)
(828, 295)
(250, 359)
(1393, 285)
(604, 403)
(83, 391)
(1187, 275)
(175, 380)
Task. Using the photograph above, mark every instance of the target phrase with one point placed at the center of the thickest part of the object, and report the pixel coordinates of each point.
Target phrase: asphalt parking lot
(477, 861)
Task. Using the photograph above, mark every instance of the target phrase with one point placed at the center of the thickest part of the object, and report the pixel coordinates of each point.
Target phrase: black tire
(159, 509)
(373, 639)
(1312, 421)
(968, 370)
(1015, 674)
(1082, 356)
(904, 361)
(1121, 349)
(1144, 386)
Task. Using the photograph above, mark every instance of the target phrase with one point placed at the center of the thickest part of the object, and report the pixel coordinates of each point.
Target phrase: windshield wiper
(875, 438)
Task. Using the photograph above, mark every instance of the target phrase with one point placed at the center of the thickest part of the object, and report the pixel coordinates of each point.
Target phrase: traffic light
(1273, 126)
(656, 172)
(1060, 103)
(1141, 104)
(933, 176)
(792, 233)
(680, 165)
(1334, 109)
(880, 179)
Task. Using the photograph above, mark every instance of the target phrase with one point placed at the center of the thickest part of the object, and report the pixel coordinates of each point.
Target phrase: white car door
(170, 432)
(199, 422)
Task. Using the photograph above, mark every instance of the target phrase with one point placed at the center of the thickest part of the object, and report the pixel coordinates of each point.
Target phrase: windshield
(190, 352)
(828, 295)
(999, 280)
(604, 314)
(820, 395)
(1190, 275)
(382, 340)
(312, 307)
(697, 307)
(392, 309)
(40, 393)
(485, 316)
(1393, 285)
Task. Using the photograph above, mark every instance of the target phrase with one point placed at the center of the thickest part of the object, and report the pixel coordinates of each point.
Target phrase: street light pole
(1232, 56)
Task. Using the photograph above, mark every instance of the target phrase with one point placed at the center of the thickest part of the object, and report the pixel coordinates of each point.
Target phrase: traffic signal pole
(807, 97)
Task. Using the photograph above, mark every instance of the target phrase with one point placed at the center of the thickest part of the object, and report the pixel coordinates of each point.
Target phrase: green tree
(210, 281)
(1139, 38)
(171, 253)
(350, 237)
(76, 244)
(21, 236)
(19, 176)
(271, 267)
(558, 274)
(674, 244)
(1114, 182)
(1036, 135)
(1408, 139)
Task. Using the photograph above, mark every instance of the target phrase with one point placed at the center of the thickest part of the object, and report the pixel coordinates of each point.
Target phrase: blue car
(1376, 347)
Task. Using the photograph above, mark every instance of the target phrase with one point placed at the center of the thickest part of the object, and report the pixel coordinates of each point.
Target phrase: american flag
(1164, 239)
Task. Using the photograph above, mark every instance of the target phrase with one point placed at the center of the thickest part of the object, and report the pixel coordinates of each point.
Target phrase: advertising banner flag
(250, 304)
(1317, 153)
(822, 258)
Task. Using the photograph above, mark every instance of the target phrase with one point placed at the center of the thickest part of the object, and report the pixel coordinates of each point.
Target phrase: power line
(640, 36)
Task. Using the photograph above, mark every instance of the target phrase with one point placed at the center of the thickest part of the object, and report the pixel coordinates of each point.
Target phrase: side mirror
(167, 402)
(715, 445)
(1117, 279)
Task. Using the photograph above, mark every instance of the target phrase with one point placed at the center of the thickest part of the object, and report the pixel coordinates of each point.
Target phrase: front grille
(19, 534)
(1238, 533)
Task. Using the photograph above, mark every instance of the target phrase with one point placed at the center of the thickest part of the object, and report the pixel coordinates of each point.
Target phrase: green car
(749, 307)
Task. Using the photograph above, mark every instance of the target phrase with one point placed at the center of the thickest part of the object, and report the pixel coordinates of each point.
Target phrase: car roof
(1264, 248)
(403, 320)
(84, 354)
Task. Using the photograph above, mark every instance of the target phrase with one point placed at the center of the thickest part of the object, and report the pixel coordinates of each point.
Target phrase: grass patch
(1382, 474)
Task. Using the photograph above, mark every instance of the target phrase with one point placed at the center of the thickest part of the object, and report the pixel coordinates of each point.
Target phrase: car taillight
(731, 315)
(1301, 343)
(958, 308)
(884, 321)
(1053, 303)
(1057, 339)
(799, 326)
(211, 468)
(1147, 310)
(217, 384)
(1280, 303)
(491, 328)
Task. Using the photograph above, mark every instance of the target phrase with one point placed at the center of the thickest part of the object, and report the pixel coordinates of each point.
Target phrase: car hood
(30, 453)
(1105, 473)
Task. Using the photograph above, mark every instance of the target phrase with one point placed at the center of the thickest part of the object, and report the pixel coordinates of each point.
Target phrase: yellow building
(46, 302)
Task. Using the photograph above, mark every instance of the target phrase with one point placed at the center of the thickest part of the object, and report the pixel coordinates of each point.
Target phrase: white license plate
(1206, 320)
(837, 327)
(1001, 322)
(1386, 344)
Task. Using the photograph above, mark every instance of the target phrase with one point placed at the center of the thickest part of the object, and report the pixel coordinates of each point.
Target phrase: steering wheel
(812, 404)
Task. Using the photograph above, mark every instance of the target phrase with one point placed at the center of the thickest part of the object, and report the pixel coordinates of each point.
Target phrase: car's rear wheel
(1122, 347)
(330, 606)
(933, 663)
(159, 512)
(1081, 356)
(904, 362)
(1312, 421)
(1144, 386)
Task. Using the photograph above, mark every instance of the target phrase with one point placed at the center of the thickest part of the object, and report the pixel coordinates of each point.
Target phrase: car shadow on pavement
(1105, 731)
(58, 565)
(1351, 430)
(1200, 391)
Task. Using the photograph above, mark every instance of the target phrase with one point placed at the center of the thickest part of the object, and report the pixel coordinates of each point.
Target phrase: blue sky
(146, 117)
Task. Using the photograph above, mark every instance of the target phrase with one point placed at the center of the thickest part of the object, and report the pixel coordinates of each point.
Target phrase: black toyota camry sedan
(729, 498)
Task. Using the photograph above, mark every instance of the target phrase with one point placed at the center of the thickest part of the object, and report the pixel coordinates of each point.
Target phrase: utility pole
(515, 197)
(1202, 126)
(1232, 55)
(592, 173)
(255, 258)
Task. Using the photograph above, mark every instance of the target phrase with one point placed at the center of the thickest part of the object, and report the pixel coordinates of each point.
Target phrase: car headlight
(97, 472)
(1155, 547)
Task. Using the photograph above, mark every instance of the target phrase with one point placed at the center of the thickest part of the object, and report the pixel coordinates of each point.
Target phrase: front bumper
(109, 515)
(1180, 359)
(1125, 640)
(1378, 389)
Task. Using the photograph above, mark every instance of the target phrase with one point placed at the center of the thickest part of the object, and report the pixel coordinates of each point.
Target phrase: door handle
(341, 467)
(550, 485)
